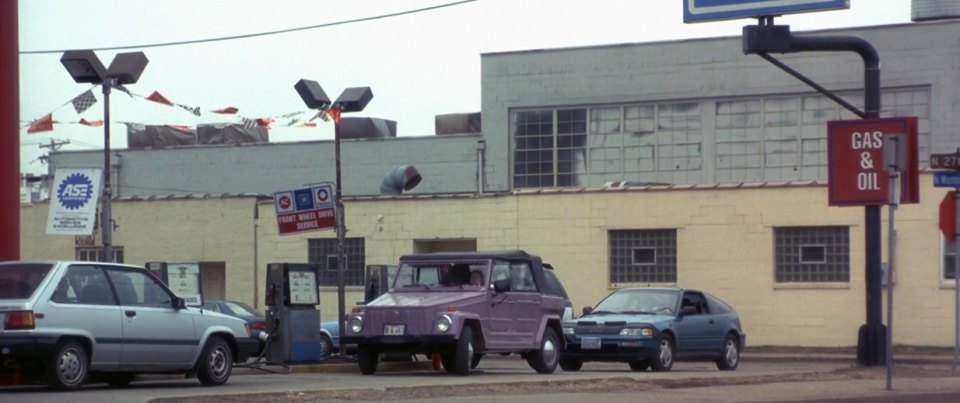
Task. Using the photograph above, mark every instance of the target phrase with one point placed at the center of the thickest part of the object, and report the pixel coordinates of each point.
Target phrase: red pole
(9, 132)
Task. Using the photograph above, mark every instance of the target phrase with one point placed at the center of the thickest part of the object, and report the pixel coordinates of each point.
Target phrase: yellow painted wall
(724, 245)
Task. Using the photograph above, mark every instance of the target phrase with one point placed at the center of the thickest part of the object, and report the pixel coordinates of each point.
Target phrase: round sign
(323, 195)
(285, 202)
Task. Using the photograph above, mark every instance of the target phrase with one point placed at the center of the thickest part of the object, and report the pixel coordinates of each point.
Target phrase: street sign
(948, 216)
(946, 179)
(945, 161)
(713, 10)
(305, 209)
(856, 172)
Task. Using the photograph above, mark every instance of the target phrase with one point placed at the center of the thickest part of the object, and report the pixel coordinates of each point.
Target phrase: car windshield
(20, 280)
(639, 302)
(242, 310)
(442, 274)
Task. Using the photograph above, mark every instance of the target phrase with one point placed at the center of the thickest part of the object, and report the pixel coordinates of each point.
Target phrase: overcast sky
(418, 65)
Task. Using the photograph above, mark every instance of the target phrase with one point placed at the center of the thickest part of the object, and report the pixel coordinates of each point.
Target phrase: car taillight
(258, 325)
(19, 320)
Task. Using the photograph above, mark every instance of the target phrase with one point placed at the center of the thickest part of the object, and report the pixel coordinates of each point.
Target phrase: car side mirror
(501, 285)
(587, 310)
(179, 303)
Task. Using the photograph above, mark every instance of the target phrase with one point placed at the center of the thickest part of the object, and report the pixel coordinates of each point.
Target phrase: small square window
(644, 256)
(813, 254)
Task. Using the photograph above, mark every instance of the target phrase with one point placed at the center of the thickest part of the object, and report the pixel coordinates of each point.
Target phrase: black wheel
(69, 367)
(215, 363)
(367, 357)
(571, 364)
(730, 358)
(476, 360)
(464, 351)
(639, 365)
(544, 360)
(119, 379)
(326, 346)
(663, 361)
(449, 361)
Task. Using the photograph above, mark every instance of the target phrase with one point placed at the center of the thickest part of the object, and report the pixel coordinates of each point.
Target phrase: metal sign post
(895, 159)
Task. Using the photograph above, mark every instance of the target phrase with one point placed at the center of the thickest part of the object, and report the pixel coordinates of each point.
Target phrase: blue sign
(75, 191)
(946, 179)
(712, 10)
(304, 199)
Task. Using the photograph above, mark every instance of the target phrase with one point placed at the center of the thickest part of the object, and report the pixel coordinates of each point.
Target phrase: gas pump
(293, 321)
(184, 279)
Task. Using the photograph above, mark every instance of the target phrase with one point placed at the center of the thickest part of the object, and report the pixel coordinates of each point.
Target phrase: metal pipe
(106, 223)
(341, 237)
(481, 146)
(891, 249)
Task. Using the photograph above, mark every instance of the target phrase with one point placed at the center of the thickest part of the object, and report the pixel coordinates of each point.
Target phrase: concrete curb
(844, 358)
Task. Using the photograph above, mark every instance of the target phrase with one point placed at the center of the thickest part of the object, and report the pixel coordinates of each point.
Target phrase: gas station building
(680, 163)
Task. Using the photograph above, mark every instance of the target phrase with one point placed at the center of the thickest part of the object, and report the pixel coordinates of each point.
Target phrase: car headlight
(637, 332)
(443, 323)
(356, 324)
(569, 331)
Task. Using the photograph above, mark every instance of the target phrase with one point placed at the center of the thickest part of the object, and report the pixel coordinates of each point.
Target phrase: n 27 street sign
(945, 161)
(712, 10)
(305, 209)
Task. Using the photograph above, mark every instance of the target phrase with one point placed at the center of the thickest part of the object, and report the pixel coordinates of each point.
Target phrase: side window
(84, 285)
(694, 303)
(139, 289)
(716, 306)
(501, 271)
(522, 277)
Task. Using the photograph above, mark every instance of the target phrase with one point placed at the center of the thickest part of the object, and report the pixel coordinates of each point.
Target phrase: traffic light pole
(768, 38)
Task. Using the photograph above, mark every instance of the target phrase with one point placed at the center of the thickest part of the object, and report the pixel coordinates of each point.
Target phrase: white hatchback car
(63, 321)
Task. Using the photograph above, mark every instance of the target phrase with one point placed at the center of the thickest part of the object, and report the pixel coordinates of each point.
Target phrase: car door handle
(130, 314)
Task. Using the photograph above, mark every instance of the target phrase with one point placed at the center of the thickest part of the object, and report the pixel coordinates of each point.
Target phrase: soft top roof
(440, 256)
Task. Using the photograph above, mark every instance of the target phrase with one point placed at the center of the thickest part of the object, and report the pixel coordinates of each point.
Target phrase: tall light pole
(85, 67)
(350, 100)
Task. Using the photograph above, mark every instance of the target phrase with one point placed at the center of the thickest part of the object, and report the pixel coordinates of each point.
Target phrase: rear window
(20, 280)
(554, 286)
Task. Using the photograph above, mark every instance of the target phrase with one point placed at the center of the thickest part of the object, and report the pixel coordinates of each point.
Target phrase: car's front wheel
(639, 365)
(730, 358)
(216, 363)
(326, 346)
(367, 358)
(663, 361)
(69, 367)
(544, 360)
(464, 351)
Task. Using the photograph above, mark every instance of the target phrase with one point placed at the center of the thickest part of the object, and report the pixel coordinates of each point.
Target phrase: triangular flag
(248, 123)
(84, 101)
(227, 111)
(292, 122)
(264, 122)
(307, 124)
(160, 99)
(44, 124)
(123, 89)
(95, 123)
(194, 110)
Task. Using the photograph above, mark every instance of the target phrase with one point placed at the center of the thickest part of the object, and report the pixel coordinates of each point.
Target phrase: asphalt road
(510, 376)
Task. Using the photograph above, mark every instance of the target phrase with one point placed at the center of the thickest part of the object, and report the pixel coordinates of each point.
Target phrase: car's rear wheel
(367, 358)
(69, 367)
(730, 358)
(544, 360)
(571, 364)
(663, 361)
(476, 360)
(464, 351)
(326, 346)
(119, 379)
(216, 362)
(639, 365)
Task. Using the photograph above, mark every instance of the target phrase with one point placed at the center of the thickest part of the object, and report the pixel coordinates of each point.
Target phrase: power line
(283, 31)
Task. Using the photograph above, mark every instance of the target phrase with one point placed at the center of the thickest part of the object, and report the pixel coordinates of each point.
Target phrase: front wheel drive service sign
(73, 202)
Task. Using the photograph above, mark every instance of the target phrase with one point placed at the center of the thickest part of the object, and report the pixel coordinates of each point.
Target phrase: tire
(119, 379)
(663, 361)
(367, 358)
(476, 360)
(639, 365)
(326, 346)
(729, 359)
(448, 360)
(571, 364)
(215, 363)
(544, 360)
(69, 368)
(463, 354)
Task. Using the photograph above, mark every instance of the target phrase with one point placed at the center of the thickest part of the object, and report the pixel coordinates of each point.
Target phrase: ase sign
(856, 171)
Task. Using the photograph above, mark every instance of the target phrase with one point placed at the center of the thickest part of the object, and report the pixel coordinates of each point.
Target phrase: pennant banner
(84, 101)
(195, 111)
(44, 124)
(160, 99)
(227, 111)
(94, 123)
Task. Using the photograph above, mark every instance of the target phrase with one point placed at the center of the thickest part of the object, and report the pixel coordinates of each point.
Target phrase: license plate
(393, 330)
(590, 343)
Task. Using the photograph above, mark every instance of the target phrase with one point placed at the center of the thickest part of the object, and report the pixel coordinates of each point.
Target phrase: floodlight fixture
(312, 94)
(127, 67)
(353, 99)
(84, 66)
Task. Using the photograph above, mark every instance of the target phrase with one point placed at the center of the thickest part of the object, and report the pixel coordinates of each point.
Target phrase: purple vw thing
(462, 306)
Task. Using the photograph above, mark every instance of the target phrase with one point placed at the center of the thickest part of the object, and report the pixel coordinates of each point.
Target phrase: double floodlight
(85, 67)
(351, 100)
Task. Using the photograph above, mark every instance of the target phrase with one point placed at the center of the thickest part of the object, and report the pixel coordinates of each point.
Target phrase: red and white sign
(856, 171)
(305, 210)
(948, 216)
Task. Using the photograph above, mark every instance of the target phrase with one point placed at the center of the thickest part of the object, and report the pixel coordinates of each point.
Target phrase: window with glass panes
(812, 254)
(949, 259)
(96, 254)
(643, 256)
(324, 252)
